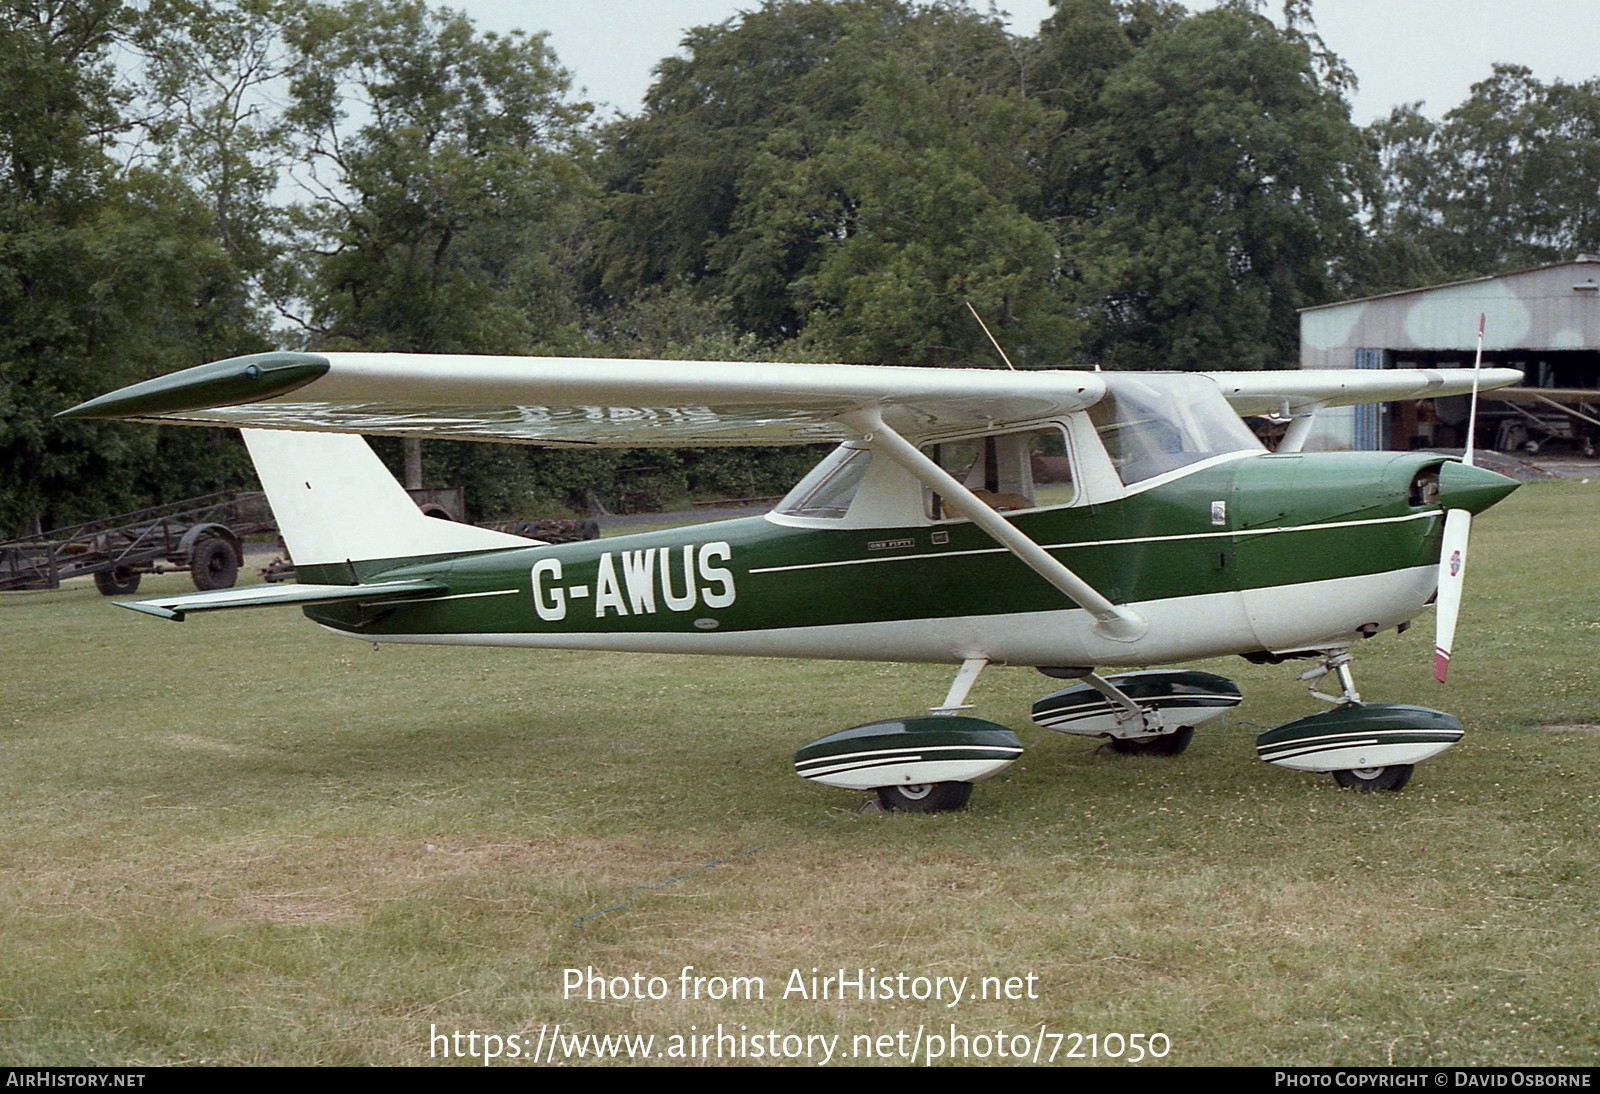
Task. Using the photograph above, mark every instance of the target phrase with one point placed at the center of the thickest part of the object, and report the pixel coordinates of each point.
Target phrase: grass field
(244, 840)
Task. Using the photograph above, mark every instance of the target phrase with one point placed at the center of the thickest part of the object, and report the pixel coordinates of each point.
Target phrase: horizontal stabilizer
(265, 596)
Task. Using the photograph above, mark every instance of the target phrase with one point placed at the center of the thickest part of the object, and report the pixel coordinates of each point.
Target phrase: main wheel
(213, 564)
(1168, 744)
(925, 797)
(1392, 777)
(118, 581)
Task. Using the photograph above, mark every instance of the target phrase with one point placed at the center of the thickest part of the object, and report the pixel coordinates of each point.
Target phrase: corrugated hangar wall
(1544, 320)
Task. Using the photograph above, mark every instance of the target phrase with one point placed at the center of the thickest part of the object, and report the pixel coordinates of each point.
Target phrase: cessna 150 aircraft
(1071, 521)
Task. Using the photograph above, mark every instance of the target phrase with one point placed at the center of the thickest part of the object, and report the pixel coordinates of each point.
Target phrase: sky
(1403, 51)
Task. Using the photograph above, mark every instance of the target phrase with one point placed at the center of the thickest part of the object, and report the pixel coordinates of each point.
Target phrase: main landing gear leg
(1150, 713)
(942, 797)
(1132, 718)
(955, 700)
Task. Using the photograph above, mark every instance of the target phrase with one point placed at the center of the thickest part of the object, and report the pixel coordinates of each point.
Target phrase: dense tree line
(1134, 186)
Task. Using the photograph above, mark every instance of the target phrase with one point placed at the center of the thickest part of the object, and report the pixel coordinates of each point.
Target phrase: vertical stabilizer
(336, 502)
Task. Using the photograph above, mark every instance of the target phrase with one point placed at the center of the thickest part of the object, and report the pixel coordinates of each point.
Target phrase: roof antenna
(985, 327)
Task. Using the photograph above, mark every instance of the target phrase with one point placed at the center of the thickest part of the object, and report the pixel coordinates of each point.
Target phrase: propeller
(1453, 549)
(1452, 572)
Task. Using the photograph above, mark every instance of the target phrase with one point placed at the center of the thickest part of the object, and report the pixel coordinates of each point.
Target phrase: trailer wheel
(117, 581)
(213, 564)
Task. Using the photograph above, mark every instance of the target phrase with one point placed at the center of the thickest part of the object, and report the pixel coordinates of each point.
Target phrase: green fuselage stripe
(1101, 543)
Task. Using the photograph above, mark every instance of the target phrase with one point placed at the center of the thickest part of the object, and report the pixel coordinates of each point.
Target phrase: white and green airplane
(1072, 521)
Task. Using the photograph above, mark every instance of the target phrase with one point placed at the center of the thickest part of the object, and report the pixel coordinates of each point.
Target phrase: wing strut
(1300, 422)
(1112, 621)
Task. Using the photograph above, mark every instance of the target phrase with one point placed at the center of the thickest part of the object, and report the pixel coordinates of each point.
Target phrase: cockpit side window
(1027, 469)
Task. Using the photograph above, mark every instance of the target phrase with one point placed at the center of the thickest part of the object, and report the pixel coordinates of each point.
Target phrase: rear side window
(1027, 469)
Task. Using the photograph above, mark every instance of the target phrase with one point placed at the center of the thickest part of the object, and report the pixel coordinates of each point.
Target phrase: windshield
(828, 489)
(1154, 424)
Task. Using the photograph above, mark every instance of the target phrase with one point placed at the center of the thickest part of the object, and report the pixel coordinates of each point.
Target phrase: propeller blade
(1452, 572)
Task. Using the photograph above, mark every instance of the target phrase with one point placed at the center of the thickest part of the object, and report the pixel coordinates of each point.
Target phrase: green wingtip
(222, 383)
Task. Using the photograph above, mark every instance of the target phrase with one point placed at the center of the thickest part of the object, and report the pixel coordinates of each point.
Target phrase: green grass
(244, 840)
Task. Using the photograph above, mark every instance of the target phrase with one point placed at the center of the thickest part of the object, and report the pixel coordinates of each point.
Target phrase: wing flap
(266, 596)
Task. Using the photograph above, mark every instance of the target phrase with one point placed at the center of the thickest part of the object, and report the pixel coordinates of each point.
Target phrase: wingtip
(221, 383)
(150, 607)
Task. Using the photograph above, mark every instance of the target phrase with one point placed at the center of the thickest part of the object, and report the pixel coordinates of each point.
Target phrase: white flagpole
(1472, 415)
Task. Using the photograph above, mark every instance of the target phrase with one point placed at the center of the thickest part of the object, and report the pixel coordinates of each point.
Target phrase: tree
(1211, 191)
(209, 71)
(108, 274)
(1138, 185)
(844, 177)
(445, 165)
(447, 168)
(1505, 180)
(673, 171)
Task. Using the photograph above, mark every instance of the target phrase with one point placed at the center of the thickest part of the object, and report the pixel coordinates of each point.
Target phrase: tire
(118, 581)
(1168, 744)
(1366, 779)
(213, 564)
(925, 798)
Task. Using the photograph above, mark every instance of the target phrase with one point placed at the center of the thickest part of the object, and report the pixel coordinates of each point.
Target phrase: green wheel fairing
(1177, 700)
(925, 750)
(1359, 735)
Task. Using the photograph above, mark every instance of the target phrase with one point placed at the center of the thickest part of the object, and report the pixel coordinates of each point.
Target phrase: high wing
(598, 402)
(1294, 392)
(587, 402)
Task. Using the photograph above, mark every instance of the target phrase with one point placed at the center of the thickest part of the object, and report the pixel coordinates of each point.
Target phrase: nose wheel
(1364, 746)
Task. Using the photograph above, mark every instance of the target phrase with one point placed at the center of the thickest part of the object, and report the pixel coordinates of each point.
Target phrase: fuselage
(1243, 553)
(1047, 517)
